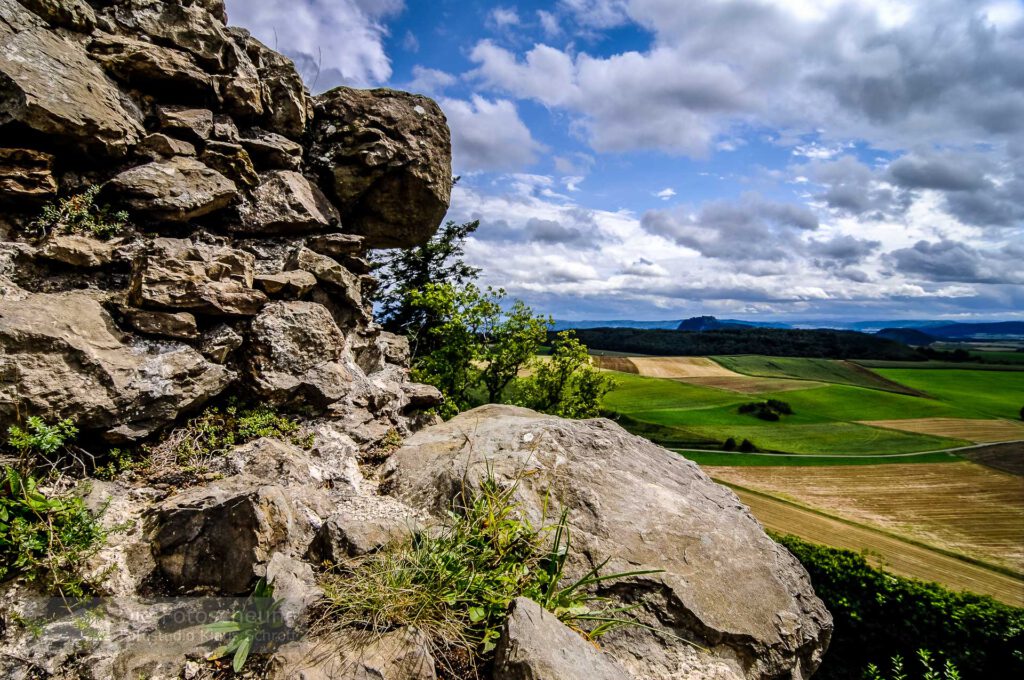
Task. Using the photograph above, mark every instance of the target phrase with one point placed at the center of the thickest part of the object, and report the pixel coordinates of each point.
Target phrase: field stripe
(897, 555)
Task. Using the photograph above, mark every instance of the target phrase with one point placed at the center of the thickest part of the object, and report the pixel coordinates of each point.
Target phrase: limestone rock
(295, 589)
(363, 525)
(176, 189)
(350, 655)
(219, 342)
(225, 130)
(151, 68)
(188, 26)
(219, 536)
(395, 348)
(61, 356)
(330, 272)
(78, 250)
(286, 103)
(195, 124)
(50, 85)
(180, 274)
(725, 584)
(231, 160)
(298, 354)
(286, 202)
(273, 151)
(336, 245)
(288, 285)
(76, 15)
(240, 91)
(419, 397)
(159, 145)
(181, 325)
(26, 174)
(387, 158)
(535, 645)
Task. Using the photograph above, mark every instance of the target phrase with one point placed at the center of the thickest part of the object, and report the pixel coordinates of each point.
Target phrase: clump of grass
(771, 410)
(456, 584)
(218, 429)
(80, 214)
(46, 538)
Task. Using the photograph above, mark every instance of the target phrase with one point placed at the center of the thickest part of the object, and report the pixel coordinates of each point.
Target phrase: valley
(914, 465)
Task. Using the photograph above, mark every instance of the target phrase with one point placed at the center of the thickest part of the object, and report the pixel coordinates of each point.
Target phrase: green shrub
(79, 214)
(220, 428)
(770, 410)
(44, 538)
(949, 670)
(456, 584)
(879, 616)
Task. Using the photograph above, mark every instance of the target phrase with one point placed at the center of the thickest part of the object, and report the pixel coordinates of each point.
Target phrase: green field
(680, 415)
(984, 394)
(758, 460)
(819, 370)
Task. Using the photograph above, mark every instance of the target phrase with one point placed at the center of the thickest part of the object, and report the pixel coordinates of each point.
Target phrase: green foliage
(567, 384)
(255, 623)
(456, 584)
(949, 670)
(476, 344)
(401, 272)
(879, 616)
(218, 429)
(79, 214)
(39, 439)
(118, 462)
(771, 410)
(45, 539)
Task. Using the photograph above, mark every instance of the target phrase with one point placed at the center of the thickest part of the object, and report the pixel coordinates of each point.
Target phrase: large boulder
(175, 189)
(386, 156)
(285, 101)
(724, 583)
(179, 274)
(49, 84)
(61, 356)
(195, 27)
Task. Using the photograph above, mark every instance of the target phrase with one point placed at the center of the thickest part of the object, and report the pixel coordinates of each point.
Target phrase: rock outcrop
(642, 507)
(242, 275)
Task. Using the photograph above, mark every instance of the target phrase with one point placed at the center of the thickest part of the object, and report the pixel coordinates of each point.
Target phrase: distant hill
(908, 336)
(710, 323)
(825, 344)
(963, 331)
(562, 325)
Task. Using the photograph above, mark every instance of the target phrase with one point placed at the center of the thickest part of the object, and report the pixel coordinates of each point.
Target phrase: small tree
(401, 272)
(567, 385)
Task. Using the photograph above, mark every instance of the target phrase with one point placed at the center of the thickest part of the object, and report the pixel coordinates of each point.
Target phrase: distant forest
(824, 344)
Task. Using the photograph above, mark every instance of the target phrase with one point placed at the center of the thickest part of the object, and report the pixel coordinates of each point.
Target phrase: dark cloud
(578, 231)
(946, 173)
(749, 229)
(959, 262)
(844, 249)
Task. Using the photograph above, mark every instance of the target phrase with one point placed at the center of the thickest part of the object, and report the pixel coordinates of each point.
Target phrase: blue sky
(746, 158)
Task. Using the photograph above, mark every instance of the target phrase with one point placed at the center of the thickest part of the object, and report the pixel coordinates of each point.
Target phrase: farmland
(960, 507)
(819, 474)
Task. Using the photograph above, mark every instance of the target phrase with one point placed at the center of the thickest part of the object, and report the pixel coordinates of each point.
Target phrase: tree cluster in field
(476, 345)
(879, 616)
(779, 342)
(745, 446)
(771, 410)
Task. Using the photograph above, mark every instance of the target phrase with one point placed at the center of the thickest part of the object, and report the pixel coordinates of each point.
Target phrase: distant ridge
(710, 323)
(670, 324)
(908, 336)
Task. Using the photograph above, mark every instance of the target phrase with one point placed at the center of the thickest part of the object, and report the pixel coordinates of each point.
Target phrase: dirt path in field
(963, 508)
(896, 555)
(980, 431)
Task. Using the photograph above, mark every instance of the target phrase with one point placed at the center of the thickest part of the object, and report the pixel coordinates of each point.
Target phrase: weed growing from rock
(220, 428)
(455, 584)
(80, 214)
(46, 538)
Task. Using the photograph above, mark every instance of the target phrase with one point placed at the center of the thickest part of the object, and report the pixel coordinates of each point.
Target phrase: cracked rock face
(62, 356)
(643, 507)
